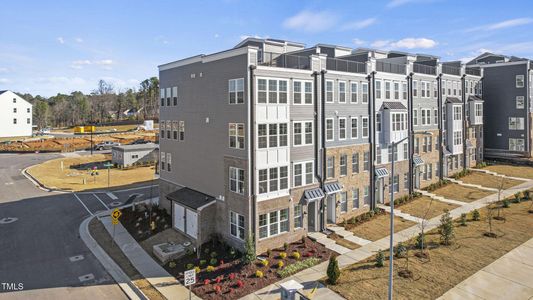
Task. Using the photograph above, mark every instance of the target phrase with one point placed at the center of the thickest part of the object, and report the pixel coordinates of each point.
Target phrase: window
(162, 127)
(175, 130)
(398, 121)
(436, 116)
(366, 195)
(457, 138)
(435, 90)
(404, 91)
(14, 100)
(430, 171)
(182, 130)
(423, 89)
(396, 183)
(355, 163)
(236, 135)
(343, 202)
(28, 110)
(387, 89)
(236, 225)
(354, 128)
(342, 92)
(430, 143)
(343, 164)
(298, 216)
(168, 96)
(364, 92)
(329, 130)
(15, 110)
(162, 160)
(366, 161)
(396, 90)
(297, 92)
(354, 91)
(415, 117)
(406, 181)
(457, 113)
(378, 89)
(425, 144)
(302, 91)
(428, 90)
(415, 88)
(519, 81)
(479, 109)
(15, 121)
(330, 167)
(329, 91)
(273, 223)
(355, 198)
(236, 180)
(365, 126)
(426, 116)
(405, 149)
(516, 144)
(175, 95)
(273, 179)
(520, 102)
(169, 128)
(342, 128)
(378, 122)
(416, 145)
(271, 135)
(516, 123)
(272, 91)
(378, 155)
(169, 162)
(28, 121)
(455, 88)
(134, 156)
(303, 173)
(303, 133)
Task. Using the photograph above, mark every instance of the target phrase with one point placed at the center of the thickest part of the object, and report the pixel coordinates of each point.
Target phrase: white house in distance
(15, 115)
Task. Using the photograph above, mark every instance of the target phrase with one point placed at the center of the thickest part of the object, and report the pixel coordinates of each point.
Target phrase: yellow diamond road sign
(114, 221)
(116, 214)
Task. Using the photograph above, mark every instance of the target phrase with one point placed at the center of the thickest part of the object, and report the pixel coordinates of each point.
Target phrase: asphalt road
(40, 246)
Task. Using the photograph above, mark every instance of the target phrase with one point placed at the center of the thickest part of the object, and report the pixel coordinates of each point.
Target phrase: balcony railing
(382, 66)
(343, 65)
(286, 61)
(474, 72)
(451, 70)
(424, 69)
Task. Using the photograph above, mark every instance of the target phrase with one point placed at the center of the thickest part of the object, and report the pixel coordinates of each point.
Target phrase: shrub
(213, 261)
(210, 269)
(517, 198)
(269, 252)
(231, 276)
(333, 271)
(421, 241)
(476, 216)
(400, 250)
(240, 284)
(283, 255)
(296, 255)
(258, 274)
(197, 270)
(249, 250)
(527, 195)
(218, 289)
(446, 228)
(298, 266)
(172, 264)
(218, 279)
(264, 262)
(202, 262)
(280, 264)
(380, 259)
(189, 266)
(462, 220)
(207, 281)
(213, 254)
(505, 203)
(285, 246)
(206, 250)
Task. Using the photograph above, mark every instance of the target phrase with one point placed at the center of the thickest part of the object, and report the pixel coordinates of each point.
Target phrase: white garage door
(179, 217)
(192, 223)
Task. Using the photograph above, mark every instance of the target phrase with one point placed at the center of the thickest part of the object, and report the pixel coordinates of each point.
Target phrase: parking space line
(101, 201)
(112, 196)
(83, 204)
(136, 188)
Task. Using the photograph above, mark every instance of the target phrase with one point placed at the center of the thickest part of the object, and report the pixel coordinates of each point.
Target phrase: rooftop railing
(382, 66)
(286, 61)
(451, 70)
(343, 65)
(474, 72)
(424, 69)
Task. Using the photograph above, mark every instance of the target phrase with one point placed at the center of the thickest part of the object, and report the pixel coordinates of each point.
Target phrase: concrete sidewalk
(509, 277)
(165, 283)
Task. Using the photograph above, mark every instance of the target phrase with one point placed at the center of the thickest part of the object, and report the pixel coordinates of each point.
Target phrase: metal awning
(417, 160)
(313, 195)
(332, 188)
(453, 100)
(475, 98)
(381, 172)
(446, 152)
(469, 144)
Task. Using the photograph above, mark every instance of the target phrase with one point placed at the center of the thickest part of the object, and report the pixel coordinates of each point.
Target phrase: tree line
(103, 104)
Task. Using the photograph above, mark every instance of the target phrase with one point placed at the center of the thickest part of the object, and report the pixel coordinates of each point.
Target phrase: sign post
(189, 280)
(115, 215)
(108, 165)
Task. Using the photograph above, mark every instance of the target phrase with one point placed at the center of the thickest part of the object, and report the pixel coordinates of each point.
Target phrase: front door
(331, 208)
(379, 191)
(179, 217)
(311, 216)
(417, 178)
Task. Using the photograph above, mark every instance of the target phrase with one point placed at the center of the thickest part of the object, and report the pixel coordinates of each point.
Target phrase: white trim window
(396, 86)
(355, 163)
(387, 90)
(181, 129)
(426, 116)
(364, 92)
(516, 123)
(303, 173)
(302, 92)
(354, 128)
(353, 92)
(343, 201)
(273, 223)
(273, 179)
(163, 160)
(479, 110)
(415, 88)
(342, 128)
(343, 165)
(329, 91)
(436, 116)
(378, 122)
(519, 81)
(271, 135)
(342, 91)
(457, 138)
(169, 162)
(235, 91)
(272, 91)
(175, 95)
(303, 133)
(330, 135)
(457, 113)
(355, 198)
(236, 222)
(404, 90)
(330, 167)
(415, 117)
(364, 121)
(236, 135)
(378, 89)
(298, 219)
(236, 180)
(520, 104)
(516, 144)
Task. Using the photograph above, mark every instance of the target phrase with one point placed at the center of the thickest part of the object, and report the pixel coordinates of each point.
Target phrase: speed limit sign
(190, 277)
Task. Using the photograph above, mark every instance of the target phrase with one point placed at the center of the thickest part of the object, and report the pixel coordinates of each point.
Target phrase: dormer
(475, 107)
(394, 121)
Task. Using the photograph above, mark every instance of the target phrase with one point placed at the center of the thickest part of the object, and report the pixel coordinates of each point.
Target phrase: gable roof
(190, 198)
(15, 95)
(393, 105)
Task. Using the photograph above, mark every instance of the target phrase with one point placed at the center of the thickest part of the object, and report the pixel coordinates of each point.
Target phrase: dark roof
(1, 92)
(136, 147)
(393, 105)
(190, 198)
(313, 194)
(331, 188)
(453, 100)
(474, 98)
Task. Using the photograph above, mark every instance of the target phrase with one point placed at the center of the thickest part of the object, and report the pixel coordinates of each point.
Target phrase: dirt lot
(378, 227)
(425, 207)
(514, 171)
(447, 266)
(489, 181)
(461, 193)
(51, 175)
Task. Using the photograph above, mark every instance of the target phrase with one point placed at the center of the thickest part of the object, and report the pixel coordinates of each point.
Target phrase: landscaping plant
(446, 228)
(517, 198)
(249, 250)
(380, 259)
(258, 274)
(476, 216)
(283, 255)
(333, 271)
(280, 264)
(462, 220)
(400, 250)
(298, 266)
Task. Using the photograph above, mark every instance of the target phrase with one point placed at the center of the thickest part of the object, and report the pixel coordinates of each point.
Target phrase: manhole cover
(86, 277)
(116, 203)
(8, 220)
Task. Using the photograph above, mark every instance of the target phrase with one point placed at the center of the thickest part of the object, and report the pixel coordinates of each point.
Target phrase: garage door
(192, 223)
(179, 217)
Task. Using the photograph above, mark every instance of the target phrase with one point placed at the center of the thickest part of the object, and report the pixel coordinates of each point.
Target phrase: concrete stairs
(440, 198)
(323, 239)
(348, 235)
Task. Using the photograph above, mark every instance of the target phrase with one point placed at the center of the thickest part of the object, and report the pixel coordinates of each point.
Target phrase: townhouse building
(507, 91)
(15, 115)
(274, 139)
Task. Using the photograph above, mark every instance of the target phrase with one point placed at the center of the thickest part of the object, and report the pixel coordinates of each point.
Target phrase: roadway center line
(83, 204)
(101, 201)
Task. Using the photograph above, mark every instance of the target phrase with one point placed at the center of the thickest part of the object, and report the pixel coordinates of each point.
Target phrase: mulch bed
(138, 222)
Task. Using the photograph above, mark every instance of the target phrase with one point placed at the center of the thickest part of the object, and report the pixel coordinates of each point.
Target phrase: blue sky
(61, 46)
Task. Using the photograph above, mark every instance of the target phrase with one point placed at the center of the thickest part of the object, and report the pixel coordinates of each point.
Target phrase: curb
(123, 281)
(38, 184)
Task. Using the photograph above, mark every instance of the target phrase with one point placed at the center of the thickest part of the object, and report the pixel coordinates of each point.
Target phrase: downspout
(439, 115)
(372, 152)
(528, 121)
(323, 143)
(465, 125)
(252, 157)
(410, 131)
(317, 173)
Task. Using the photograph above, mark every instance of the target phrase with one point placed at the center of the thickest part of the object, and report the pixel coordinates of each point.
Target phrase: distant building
(129, 155)
(15, 115)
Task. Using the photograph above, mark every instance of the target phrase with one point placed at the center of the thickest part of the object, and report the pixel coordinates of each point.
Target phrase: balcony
(474, 72)
(387, 67)
(451, 70)
(279, 60)
(342, 65)
(424, 69)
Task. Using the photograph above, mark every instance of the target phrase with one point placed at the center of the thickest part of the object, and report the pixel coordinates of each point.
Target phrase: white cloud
(78, 40)
(406, 43)
(359, 42)
(359, 24)
(161, 39)
(311, 21)
(396, 3)
(4, 70)
(61, 80)
(380, 43)
(79, 64)
(243, 37)
(502, 25)
(60, 40)
(4, 81)
(216, 35)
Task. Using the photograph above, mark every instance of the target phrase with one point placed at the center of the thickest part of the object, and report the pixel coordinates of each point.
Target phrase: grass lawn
(425, 207)
(378, 227)
(514, 171)
(102, 237)
(447, 265)
(489, 181)
(50, 174)
(458, 192)
(345, 243)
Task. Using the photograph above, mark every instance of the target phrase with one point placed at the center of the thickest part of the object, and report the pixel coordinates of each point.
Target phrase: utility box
(289, 288)
(79, 129)
(89, 128)
(148, 125)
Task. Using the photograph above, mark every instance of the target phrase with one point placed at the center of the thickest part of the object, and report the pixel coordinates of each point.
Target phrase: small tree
(333, 271)
(476, 216)
(249, 249)
(400, 250)
(380, 259)
(446, 228)
(463, 220)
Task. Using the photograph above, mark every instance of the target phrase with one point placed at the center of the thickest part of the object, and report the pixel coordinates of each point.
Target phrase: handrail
(285, 61)
(451, 70)
(388, 67)
(336, 64)
(424, 69)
